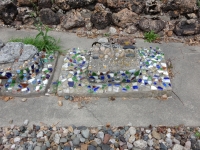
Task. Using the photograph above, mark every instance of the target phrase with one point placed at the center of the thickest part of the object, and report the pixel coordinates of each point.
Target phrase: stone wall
(179, 17)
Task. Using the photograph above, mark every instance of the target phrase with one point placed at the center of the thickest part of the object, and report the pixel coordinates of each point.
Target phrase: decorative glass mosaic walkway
(32, 77)
(151, 80)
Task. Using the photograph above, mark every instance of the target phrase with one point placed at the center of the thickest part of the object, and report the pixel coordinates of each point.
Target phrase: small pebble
(24, 99)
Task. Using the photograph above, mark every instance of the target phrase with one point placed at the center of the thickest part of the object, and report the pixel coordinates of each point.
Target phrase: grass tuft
(150, 36)
(42, 40)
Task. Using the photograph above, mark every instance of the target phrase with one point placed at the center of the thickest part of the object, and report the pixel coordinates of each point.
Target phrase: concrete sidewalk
(140, 112)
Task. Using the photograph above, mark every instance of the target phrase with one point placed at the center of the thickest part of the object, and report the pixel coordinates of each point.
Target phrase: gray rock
(63, 140)
(176, 141)
(163, 146)
(44, 147)
(37, 148)
(23, 135)
(40, 134)
(76, 131)
(129, 145)
(16, 132)
(82, 139)
(34, 140)
(48, 17)
(132, 130)
(103, 40)
(8, 11)
(73, 136)
(145, 137)
(28, 52)
(10, 52)
(150, 142)
(112, 30)
(97, 140)
(105, 147)
(188, 145)
(140, 144)
(116, 145)
(177, 147)
(26, 121)
(67, 148)
(116, 133)
(81, 128)
(76, 141)
(100, 135)
(91, 147)
(57, 139)
(59, 147)
(187, 27)
(72, 19)
(1, 44)
(122, 132)
(150, 24)
(98, 148)
(44, 3)
(101, 18)
(30, 147)
(47, 144)
(124, 18)
(85, 133)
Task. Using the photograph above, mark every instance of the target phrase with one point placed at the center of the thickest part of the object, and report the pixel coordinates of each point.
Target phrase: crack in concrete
(93, 115)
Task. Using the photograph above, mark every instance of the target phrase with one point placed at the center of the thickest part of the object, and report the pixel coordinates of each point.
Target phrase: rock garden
(46, 137)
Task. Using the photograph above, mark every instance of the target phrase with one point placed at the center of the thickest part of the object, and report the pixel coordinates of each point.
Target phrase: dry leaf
(108, 125)
(6, 98)
(79, 105)
(60, 103)
(70, 129)
(164, 97)
(112, 98)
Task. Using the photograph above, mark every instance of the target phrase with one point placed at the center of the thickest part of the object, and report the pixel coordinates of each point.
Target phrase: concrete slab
(149, 78)
(141, 112)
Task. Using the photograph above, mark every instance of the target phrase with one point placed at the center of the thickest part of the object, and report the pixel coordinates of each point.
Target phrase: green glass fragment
(127, 87)
(137, 73)
(74, 78)
(94, 74)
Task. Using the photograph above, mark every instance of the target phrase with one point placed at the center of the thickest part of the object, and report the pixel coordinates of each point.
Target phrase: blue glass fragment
(158, 66)
(71, 83)
(128, 81)
(7, 85)
(102, 77)
(160, 88)
(50, 69)
(164, 84)
(47, 76)
(139, 80)
(124, 89)
(95, 89)
(32, 67)
(9, 80)
(8, 74)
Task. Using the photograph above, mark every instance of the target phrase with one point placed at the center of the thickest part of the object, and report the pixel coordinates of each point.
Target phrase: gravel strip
(44, 137)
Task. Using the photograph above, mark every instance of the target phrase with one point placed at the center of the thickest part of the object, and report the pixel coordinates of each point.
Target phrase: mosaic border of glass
(152, 80)
(33, 80)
